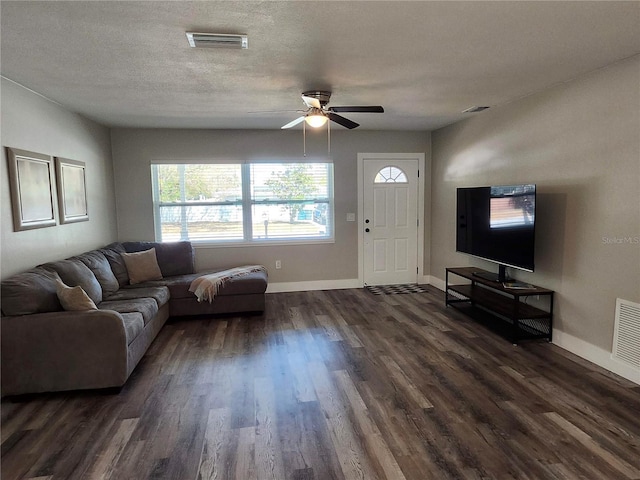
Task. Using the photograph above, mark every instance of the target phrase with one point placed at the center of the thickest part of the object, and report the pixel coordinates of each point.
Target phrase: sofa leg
(110, 390)
(27, 397)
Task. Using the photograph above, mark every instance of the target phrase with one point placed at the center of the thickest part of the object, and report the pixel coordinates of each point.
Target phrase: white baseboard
(597, 355)
(436, 282)
(328, 285)
(313, 285)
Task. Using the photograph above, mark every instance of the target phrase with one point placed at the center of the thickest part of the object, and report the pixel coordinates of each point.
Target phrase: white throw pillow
(142, 266)
(73, 298)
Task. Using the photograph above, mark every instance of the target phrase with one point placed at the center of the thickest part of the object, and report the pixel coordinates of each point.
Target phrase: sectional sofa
(45, 348)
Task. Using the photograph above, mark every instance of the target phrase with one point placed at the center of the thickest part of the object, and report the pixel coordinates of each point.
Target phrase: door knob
(366, 221)
(366, 230)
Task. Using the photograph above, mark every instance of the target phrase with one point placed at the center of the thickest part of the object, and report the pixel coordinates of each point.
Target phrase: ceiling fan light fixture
(316, 120)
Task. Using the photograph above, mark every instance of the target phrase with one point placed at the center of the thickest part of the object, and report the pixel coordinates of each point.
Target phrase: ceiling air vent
(217, 40)
(474, 109)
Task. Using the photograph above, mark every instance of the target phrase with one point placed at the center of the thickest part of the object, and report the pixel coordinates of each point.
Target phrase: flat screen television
(498, 223)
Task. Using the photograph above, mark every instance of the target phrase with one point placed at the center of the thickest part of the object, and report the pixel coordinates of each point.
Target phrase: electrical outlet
(278, 264)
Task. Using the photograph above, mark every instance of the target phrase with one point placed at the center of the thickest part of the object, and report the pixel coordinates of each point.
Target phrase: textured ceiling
(129, 63)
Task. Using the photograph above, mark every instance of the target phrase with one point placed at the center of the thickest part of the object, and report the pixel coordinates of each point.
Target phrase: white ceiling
(129, 63)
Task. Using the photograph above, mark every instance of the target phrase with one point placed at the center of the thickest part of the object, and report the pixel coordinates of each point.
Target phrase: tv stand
(504, 310)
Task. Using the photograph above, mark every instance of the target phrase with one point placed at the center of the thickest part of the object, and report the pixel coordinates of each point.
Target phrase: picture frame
(31, 183)
(72, 190)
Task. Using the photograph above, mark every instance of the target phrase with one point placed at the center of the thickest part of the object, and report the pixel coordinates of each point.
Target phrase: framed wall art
(31, 181)
(72, 191)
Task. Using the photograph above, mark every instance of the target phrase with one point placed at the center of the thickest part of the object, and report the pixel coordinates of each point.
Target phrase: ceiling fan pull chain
(329, 138)
(304, 139)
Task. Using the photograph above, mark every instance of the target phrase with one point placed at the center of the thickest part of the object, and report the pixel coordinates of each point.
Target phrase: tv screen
(497, 223)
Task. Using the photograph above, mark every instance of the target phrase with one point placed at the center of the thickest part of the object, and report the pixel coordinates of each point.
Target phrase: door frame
(363, 157)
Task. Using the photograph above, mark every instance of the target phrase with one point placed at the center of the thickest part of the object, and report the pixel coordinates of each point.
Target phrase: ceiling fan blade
(311, 102)
(345, 122)
(358, 109)
(293, 123)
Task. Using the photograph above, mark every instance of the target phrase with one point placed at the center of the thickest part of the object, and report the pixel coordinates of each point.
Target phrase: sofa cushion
(142, 266)
(33, 291)
(73, 272)
(73, 298)
(243, 285)
(133, 325)
(112, 253)
(99, 265)
(174, 258)
(146, 306)
(159, 294)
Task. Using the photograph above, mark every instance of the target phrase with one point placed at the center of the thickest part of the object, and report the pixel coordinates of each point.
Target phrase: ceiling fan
(317, 113)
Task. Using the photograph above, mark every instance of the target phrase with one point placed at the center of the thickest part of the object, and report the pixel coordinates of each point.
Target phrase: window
(239, 203)
(390, 175)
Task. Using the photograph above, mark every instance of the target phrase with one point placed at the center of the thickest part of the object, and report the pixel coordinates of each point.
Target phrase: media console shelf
(502, 309)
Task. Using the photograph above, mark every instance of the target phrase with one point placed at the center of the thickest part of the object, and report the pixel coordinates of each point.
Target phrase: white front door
(390, 220)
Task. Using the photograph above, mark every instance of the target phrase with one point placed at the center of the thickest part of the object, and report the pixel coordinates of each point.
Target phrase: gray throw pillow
(73, 272)
(99, 265)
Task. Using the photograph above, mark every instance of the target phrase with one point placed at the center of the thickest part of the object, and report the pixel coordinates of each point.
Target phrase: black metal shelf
(500, 308)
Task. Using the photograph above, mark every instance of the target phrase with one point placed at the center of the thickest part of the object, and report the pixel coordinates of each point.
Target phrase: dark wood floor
(336, 385)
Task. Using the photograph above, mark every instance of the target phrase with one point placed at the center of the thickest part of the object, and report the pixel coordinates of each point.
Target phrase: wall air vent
(626, 335)
(474, 109)
(217, 40)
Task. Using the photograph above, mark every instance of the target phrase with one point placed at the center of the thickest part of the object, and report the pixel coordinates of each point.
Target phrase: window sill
(198, 244)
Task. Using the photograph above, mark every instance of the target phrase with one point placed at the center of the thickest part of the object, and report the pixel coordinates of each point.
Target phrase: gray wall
(30, 122)
(134, 149)
(580, 143)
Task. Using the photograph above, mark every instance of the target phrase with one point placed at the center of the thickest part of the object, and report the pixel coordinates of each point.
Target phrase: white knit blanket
(207, 286)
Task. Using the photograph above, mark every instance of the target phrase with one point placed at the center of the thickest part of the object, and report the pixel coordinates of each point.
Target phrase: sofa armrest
(63, 351)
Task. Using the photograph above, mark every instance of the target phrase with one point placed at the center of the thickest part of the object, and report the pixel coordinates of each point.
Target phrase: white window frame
(247, 203)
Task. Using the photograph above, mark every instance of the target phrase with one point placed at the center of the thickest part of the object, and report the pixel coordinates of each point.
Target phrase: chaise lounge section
(46, 348)
(239, 294)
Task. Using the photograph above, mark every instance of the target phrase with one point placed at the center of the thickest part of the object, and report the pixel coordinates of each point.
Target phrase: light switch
(351, 217)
